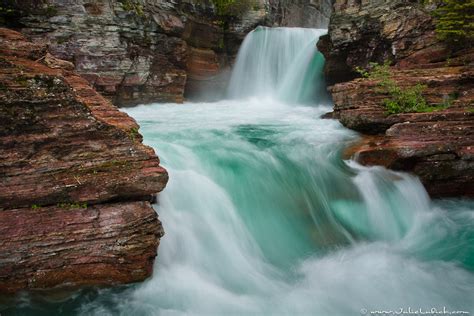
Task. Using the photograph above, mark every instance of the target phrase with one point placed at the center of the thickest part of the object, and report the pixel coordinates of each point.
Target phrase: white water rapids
(263, 217)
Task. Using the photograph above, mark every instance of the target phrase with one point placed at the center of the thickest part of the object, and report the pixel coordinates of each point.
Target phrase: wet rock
(436, 146)
(75, 179)
(104, 244)
(361, 32)
(206, 78)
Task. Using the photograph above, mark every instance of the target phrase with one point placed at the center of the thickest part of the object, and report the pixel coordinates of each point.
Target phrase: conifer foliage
(455, 21)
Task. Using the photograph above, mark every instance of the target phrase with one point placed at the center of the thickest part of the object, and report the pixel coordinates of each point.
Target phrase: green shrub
(405, 100)
(133, 134)
(380, 73)
(402, 99)
(455, 21)
(132, 6)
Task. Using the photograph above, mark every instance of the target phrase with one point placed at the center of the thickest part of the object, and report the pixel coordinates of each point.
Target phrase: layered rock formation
(437, 146)
(300, 13)
(361, 32)
(142, 51)
(138, 51)
(76, 180)
(130, 51)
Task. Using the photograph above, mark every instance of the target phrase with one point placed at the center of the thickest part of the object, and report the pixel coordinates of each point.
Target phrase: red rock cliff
(75, 179)
(436, 146)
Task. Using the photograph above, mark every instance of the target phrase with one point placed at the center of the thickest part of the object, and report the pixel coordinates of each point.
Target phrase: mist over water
(263, 217)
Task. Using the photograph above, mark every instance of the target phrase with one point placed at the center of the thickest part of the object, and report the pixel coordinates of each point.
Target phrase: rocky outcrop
(437, 146)
(103, 244)
(138, 51)
(299, 13)
(213, 44)
(361, 32)
(76, 180)
(142, 51)
(130, 51)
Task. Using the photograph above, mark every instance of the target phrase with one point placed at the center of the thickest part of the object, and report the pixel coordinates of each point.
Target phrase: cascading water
(281, 63)
(262, 217)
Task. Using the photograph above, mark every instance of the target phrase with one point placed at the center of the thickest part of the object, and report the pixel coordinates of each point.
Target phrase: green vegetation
(73, 205)
(402, 99)
(49, 11)
(377, 72)
(67, 205)
(133, 6)
(133, 134)
(233, 8)
(455, 21)
(406, 100)
(11, 11)
(6, 9)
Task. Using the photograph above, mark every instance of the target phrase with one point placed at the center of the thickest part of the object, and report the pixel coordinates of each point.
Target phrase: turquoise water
(263, 217)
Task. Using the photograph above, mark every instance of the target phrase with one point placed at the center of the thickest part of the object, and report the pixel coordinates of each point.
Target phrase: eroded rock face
(143, 51)
(129, 53)
(105, 244)
(361, 32)
(136, 51)
(437, 146)
(75, 178)
(300, 13)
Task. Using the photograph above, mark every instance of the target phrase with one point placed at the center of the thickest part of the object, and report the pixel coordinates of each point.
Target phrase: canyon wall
(299, 13)
(139, 51)
(76, 180)
(437, 145)
(143, 51)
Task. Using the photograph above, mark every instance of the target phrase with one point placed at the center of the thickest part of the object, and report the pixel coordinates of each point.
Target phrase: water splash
(262, 216)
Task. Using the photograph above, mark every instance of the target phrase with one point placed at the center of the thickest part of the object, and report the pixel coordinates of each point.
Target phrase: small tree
(455, 21)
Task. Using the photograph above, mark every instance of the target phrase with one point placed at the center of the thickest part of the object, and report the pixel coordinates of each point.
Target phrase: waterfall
(263, 217)
(281, 63)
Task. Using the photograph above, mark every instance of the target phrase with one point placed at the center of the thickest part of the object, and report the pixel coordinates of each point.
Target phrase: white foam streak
(263, 218)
